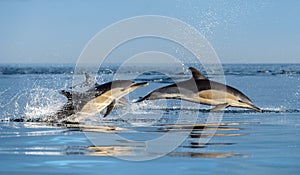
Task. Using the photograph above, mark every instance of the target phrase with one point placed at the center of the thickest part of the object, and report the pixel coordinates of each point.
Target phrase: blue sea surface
(243, 141)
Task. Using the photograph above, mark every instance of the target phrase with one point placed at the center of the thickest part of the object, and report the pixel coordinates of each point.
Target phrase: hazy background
(56, 31)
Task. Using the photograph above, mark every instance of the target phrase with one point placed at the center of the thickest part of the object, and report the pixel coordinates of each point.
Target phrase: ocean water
(242, 142)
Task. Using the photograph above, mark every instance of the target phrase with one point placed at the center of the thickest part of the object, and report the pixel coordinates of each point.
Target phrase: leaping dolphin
(81, 105)
(200, 89)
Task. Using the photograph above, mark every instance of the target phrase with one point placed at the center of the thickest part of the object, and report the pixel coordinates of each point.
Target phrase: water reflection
(124, 151)
(191, 147)
(115, 150)
(204, 155)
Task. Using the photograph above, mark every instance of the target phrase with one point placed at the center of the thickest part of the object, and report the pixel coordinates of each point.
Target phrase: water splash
(42, 102)
(210, 16)
(33, 104)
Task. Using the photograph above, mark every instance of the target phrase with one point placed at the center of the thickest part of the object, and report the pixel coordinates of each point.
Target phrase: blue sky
(56, 31)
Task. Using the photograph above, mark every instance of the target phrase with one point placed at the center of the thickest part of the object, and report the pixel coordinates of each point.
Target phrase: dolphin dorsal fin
(87, 77)
(197, 75)
(88, 80)
(87, 83)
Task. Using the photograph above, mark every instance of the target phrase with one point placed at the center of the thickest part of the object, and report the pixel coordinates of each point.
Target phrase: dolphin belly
(215, 97)
(94, 106)
(224, 99)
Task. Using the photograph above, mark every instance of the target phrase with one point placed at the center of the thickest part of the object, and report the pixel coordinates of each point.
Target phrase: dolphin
(81, 105)
(200, 89)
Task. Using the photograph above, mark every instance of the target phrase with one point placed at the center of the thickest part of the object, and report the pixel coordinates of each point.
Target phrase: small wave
(262, 72)
(261, 69)
(35, 69)
(229, 69)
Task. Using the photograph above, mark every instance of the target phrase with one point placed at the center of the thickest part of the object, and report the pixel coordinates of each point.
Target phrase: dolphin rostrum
(81, 105)
(200, 89)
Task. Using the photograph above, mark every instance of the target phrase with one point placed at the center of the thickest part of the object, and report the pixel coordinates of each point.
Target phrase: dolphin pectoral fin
(110, 107)
(220, 107)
